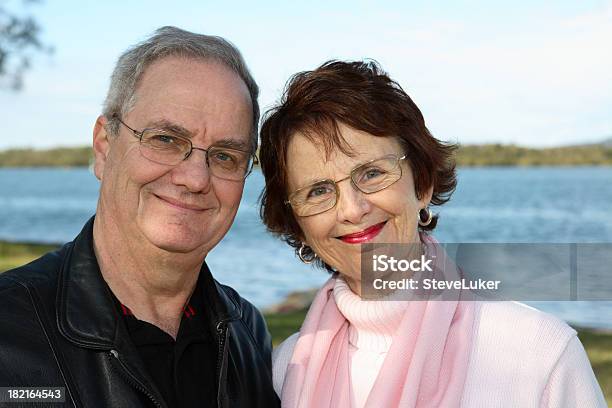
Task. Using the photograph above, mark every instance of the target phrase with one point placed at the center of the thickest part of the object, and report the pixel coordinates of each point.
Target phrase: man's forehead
(185, 82)
(217, 75)
(194, 97)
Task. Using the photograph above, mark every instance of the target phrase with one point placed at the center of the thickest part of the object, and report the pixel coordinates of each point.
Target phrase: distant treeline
(511, 155)
(56, 157)
(468, 155)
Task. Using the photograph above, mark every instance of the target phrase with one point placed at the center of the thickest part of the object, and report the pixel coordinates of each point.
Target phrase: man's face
(181, 208)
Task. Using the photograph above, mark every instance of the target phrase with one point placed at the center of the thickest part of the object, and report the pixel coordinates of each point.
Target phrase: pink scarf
(426, 365)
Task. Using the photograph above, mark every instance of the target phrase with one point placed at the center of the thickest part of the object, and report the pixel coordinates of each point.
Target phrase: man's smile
(179, 204)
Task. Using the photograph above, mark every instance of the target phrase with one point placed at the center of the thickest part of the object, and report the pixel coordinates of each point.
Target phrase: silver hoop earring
(307, 259)
(425, 213)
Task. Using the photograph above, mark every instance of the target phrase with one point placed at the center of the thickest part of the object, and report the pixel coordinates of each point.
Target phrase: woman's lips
(363, 236)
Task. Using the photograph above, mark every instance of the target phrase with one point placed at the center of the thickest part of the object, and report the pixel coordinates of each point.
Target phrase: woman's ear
(426, 198)
(101, 146)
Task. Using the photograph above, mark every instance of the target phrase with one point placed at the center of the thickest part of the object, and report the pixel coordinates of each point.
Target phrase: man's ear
(101, 146)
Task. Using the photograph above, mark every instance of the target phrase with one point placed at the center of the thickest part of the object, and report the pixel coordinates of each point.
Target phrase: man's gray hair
(171, 41)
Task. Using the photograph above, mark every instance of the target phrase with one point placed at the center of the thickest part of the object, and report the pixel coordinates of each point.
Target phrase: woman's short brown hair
(361, 95)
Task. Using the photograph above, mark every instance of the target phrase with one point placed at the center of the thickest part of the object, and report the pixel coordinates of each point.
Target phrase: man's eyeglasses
(370, 177)
(164, 147)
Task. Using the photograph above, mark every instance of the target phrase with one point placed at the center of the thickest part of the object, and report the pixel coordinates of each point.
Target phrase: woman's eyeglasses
(370, 177)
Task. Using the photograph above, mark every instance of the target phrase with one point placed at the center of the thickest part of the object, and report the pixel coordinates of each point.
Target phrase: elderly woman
(348, 160)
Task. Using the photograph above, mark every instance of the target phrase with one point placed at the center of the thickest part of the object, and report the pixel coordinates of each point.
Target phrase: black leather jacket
(60, 328)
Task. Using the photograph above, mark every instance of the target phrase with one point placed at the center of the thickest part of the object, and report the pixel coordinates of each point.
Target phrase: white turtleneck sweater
(521, 357)
(371, 329)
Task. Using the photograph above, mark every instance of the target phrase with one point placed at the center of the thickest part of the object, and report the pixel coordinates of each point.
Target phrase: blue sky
(530, 73)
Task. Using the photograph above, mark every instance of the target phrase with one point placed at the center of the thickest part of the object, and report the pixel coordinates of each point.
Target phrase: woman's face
(386, 216)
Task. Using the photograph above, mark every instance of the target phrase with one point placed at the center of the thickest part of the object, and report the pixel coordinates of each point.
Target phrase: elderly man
(128, 314)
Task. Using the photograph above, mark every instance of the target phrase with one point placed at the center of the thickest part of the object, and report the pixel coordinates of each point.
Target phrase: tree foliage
(20, 40)
(56, 157)
(467, 156)
(512, 155)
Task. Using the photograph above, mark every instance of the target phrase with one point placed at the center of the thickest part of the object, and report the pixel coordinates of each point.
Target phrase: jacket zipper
(132, 380)
(223, 334)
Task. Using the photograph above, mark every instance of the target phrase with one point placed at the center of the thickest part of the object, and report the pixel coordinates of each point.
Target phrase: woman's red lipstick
(363, 236)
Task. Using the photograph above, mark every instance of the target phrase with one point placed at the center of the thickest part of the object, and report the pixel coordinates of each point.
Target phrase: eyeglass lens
(224, 163)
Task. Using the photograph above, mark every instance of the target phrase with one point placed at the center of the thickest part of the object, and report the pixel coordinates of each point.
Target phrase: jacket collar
(86, 314)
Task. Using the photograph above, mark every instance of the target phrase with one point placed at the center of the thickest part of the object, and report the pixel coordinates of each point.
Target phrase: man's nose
(352, 204)
(193, 173)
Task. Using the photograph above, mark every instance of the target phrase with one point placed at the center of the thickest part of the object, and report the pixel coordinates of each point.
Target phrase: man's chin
(178, 246)
(175, 240)
(178, 249)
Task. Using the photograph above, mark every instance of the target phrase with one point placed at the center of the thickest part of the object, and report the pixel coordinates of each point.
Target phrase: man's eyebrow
(166, 125)
(172, 127)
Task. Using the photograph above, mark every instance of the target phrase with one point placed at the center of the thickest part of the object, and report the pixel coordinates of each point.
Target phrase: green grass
(283, 325)
(13, 254)
(597, 344)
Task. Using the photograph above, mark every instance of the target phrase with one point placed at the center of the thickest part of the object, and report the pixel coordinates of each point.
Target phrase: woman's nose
(352, 205)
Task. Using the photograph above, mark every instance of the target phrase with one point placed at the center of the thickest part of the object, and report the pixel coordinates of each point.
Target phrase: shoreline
(299, 301)
(13, 254)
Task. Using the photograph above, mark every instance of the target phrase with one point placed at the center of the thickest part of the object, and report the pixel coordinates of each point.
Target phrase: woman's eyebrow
(311, 182)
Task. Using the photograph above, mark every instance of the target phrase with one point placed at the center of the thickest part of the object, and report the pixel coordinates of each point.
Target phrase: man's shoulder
(247, 311)
(249, 316)
(39, 273)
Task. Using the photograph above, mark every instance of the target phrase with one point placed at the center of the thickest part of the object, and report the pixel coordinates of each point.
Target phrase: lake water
(490, 205)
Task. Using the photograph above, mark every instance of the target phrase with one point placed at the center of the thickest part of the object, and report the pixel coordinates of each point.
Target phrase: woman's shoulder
(281, 355)
(518, 319)
(537, 360)
(513, 332)
(284, 350)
